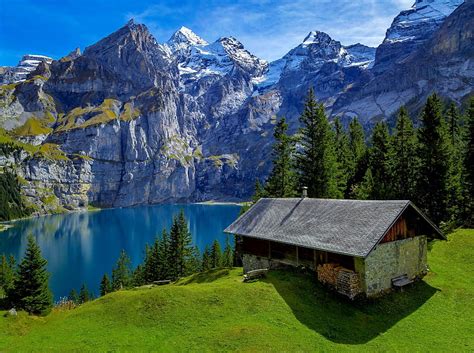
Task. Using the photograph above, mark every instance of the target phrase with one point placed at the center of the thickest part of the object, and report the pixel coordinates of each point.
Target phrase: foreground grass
(215, 311)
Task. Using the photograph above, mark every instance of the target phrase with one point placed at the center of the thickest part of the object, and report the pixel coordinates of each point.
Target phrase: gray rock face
(140, 122)
(25, 67)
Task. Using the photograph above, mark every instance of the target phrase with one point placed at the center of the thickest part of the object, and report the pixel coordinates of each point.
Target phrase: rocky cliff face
(132, 121)
(27, 64)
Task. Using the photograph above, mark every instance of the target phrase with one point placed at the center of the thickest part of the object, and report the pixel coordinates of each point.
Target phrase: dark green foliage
(282, 179)
(105, 285)
(228, 254)
(468, 170)
(216, 255)
(31, 292)
(432, 185)
(206, 259)
(164, 259)
(84, 295)
(180, 246)
(344, 157)
(316, 161)
(194, 263)
(138, 276)
(358, 150)
(73, 296)
(11, 203)
(379, 162)
(404, 158)
(7, 279)
(259, 191)
(122, 273)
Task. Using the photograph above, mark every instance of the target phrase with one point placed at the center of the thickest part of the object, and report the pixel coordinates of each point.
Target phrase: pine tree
(468, 184)
(105, 285)
(316, 161)
(73, 296)
(364, 190)
(180, 246)
(7, 273)
(163, 261)
(282, 179)
(216, 255)
(138, 276)
(259, 191)
(358, 151)
(194, 264)
(228, 254)
(455, 139)
(32, 293)
(379, 162)
(206, 259)
(404, 158)
(84, 294)
(122, 272)
(344, 158)
(432, 184)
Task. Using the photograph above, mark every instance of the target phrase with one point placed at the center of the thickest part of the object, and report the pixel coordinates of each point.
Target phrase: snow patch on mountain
(27, 64)
(425, 13)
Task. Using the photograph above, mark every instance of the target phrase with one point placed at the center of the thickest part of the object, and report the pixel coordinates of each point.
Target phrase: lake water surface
(81, 247)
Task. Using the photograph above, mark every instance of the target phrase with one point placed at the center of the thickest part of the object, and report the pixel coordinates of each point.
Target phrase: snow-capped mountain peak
(317, 37)
(183, 38)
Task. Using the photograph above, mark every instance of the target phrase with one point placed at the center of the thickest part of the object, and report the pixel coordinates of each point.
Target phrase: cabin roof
(349, 227)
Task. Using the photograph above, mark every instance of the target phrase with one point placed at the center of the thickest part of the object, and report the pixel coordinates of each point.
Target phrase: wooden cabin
(356, 247)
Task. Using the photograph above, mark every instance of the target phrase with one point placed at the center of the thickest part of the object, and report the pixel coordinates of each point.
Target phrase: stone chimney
(304, 192)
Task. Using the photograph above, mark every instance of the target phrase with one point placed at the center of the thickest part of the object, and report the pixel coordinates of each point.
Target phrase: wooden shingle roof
(349, 227)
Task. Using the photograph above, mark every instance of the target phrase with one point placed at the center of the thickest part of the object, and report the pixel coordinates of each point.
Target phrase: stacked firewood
(345, 281)
(348, 283)
(327, 273)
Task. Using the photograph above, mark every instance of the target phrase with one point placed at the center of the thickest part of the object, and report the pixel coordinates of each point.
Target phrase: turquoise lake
(81, 247)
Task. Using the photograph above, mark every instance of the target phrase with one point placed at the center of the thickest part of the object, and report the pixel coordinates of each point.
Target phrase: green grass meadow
(286, 312)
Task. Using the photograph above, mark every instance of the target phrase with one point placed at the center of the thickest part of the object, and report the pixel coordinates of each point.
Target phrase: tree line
(431, 165)
(170, 257)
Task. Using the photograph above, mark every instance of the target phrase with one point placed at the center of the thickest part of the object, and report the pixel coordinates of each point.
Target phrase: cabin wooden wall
(401, 229)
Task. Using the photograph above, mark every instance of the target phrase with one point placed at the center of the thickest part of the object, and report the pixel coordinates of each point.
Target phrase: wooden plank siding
(400, 230)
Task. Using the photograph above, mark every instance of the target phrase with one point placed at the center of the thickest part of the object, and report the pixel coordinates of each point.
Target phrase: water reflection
(81, 247)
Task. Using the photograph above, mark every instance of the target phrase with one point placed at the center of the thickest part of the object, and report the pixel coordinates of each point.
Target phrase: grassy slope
(286, 312)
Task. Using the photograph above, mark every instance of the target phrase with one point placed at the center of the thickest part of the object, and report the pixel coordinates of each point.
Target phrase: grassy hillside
(215, 311)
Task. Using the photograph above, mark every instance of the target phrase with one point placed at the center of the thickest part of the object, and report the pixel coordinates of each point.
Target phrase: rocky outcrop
(25, 67)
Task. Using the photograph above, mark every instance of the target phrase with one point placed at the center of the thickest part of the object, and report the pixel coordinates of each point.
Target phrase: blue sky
(267, 28)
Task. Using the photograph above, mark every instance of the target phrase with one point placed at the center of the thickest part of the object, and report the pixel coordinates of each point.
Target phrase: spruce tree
(468, 184)
(194, 264)
(364, 189)
(105, 285)
(379, 162)
(455, 139)
(432, 184)
(358, 151)
(316, 160)
(180, 246)
(84, 294)
(31, 291)
(73, 296)
(404, 158)
(216, 255)
(344, 158)
(282, 179)
(138, 276)
(206, 259)
(7, 273)
(122, 272)
(259, 192)
(228, 254)
(163, 260)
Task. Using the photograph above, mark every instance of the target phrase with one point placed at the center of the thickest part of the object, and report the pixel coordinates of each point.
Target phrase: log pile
(327, 273)
(348, 283)
(343, 280)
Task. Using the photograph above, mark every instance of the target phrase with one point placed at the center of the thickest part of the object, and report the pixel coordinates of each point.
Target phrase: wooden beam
(269, 249)
(297, 257)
